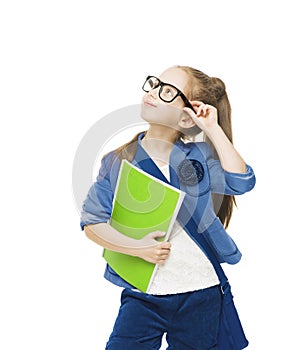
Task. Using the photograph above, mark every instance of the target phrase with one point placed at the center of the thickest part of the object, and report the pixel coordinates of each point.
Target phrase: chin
(148, 114)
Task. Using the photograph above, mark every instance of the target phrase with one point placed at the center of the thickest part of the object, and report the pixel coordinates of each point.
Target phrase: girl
(185, 299)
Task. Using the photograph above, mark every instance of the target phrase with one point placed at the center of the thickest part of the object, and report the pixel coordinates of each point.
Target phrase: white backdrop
(66, 64)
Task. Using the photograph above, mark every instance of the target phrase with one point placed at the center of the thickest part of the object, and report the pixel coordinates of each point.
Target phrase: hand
(151, 250)
(205, 116)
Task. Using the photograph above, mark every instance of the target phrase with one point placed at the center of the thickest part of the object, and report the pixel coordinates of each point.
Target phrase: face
(154, 110)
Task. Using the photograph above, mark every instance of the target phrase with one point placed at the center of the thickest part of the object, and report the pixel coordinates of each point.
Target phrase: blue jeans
(190, 321)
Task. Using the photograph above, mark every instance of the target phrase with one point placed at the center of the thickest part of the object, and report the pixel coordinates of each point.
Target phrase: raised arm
(230, 159)
(206, 119)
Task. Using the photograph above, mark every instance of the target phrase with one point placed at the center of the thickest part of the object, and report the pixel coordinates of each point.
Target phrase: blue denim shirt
(186, 160)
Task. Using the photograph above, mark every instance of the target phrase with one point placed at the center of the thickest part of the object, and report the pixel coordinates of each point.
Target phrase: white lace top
(187, 267)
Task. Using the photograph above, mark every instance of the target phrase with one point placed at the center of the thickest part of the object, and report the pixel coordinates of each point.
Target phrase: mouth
(149, 103)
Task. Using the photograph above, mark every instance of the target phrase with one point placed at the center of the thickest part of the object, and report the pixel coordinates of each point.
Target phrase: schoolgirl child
(184, 300)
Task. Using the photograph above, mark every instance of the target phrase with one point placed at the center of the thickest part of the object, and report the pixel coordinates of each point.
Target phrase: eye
(168, 91)
(153, 83)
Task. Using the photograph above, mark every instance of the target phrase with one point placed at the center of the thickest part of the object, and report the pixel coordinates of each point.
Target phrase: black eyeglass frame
(161, 84)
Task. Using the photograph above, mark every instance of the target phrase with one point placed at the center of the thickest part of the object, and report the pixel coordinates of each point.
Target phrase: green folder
(142, 204)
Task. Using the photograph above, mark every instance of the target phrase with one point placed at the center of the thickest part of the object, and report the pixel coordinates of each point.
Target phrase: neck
(161, 133)
(158, 143)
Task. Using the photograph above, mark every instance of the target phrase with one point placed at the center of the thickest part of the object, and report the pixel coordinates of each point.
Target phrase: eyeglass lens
(166, 92)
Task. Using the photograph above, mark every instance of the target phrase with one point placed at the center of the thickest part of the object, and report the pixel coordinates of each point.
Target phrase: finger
(197, 103)
(165, 246)
(190, 112)
(201, 110)
(208, 107)
(205, 108)
(165, 252)
(161, 261)
(163, 258)
(157, 234)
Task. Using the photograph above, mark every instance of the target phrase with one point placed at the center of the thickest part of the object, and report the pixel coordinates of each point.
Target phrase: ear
(186, 121)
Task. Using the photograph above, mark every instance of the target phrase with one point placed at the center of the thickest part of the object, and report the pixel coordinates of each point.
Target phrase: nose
(153, 93)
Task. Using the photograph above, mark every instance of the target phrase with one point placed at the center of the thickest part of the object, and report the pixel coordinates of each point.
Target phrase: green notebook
(142, 204)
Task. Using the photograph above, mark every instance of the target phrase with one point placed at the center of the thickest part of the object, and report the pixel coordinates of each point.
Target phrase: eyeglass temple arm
(187, 103)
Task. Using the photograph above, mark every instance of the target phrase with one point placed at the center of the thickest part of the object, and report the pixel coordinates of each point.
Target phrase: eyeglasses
(167, 92)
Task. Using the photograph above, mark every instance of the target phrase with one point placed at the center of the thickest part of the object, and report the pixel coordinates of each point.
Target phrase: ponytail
(212, 91)
(223, 204)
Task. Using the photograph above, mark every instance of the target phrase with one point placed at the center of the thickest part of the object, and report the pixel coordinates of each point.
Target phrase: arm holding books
(147, 248)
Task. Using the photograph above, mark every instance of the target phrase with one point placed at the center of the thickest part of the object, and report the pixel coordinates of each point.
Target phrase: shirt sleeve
(97, 206)
(225, 182)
